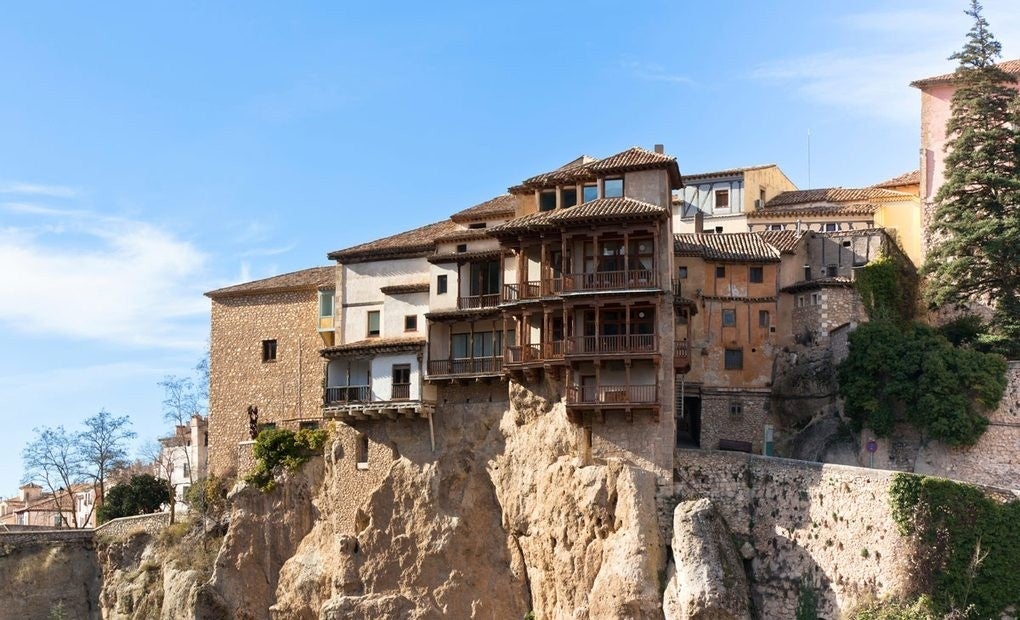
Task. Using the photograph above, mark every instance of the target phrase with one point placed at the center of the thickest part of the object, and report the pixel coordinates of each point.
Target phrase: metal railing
(612, 394)
(682, 350)
(605, 345)
(466, 366)
(348, 394)
(474, 302)
(611, 280)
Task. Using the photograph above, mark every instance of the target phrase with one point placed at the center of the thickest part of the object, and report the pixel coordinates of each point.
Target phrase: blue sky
(151, 153)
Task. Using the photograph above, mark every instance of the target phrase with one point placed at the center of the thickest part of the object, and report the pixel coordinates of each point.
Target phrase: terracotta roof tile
(455, 257)
(405, 289)
(731, 172)
(907, 178)
(815, 211)
(783, 240)
(531, 221)
(585, 168)
(374, 346)
(1011, 67)
(835, 195)
(735, 247)
(309, 279)
(417, 242)
(607, 208)
(500, 206)
(464, 234)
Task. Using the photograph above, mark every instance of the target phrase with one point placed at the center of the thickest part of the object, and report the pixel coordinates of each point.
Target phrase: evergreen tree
(976, 251)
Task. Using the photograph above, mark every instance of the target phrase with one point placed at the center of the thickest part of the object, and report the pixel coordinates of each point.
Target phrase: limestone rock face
(705, 580)
(586, 534)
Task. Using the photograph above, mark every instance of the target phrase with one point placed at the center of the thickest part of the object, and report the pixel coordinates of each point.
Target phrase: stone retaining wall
(118, 528)
(56, 537)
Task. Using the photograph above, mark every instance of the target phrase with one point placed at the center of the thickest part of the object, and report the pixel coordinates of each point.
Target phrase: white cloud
(97, 277)
(37, 189)
(896, 46)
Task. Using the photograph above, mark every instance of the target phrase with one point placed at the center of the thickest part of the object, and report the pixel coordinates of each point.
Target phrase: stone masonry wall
(823, 527)
(283, 390)
(119, 528)
(718, 422)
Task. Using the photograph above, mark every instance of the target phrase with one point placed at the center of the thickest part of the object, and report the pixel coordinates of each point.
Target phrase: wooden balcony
(348, 394)
(522, 291)
(633, 344)
(609, 396)
(351, 403)
(535, 353)
(477, 302)
(610, 280)
(401, 391)
(682, 356)
(465, 367)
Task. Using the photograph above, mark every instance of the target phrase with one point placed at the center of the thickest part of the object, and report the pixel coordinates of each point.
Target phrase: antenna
(809, 159)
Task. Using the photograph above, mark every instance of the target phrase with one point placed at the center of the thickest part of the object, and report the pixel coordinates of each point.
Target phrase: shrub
(143, 494)
(277, 447)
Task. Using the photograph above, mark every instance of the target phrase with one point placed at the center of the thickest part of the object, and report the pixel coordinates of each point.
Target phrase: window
(373, 323)
(720, 271)
(185, 470)
(757, 275)
(308, 425)
(613, 188)
(776, 227)
(800, 301)
(269, 350)
(831, 227)
(459, 344)
(461, 248)
(831, 271)
(736, 409)
(325, 304)
(734, 359)
(729, 317)
(547, 200)
(56, 520)
(484, 278)
(411, 323)
(722, 200)
(440, 285)
(763, 318)
(476, 225)
(362, 451)
(718, 230)
(846, 244)
(682, 272)
(589, 192)
(401, 381)
(568, 197)
(816, 299)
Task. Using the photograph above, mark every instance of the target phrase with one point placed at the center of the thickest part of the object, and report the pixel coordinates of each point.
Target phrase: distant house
(183, 458)
(720, 201)
(35, 507)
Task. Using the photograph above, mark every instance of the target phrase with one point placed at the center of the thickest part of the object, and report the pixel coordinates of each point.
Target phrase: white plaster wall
(361, 294)
(397, 307)
(447, 300)
(382, 375)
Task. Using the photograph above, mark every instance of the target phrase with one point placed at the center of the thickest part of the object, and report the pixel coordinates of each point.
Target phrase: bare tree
(103, 446)
(54, 459)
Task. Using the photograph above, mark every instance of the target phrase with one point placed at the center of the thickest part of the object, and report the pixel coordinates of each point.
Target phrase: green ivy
(278, 447)
(965, 545)
(888, 289)
(911, 373)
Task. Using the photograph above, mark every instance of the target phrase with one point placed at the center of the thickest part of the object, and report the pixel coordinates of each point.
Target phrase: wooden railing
(348, 394)
(611, 280)
(522, 354)
(473, 302)
(603, 345)
(401, 391)
(527, 290)
(612, 394)
(465, 366)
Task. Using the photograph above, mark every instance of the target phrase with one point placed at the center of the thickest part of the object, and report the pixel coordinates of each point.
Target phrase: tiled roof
(907, 178)
(374, 346)
(809, 285)
(736, 247)
(297, 280)
(815, 211)
(464, 314)
(460, 257)
(783, 240)
(583, 169)
(500, 206)
(835, 194)
(417, 242)
(470, 234)
(404, 289)
(531, 221)
(1011, 67)
(607, 208)
(731, 172)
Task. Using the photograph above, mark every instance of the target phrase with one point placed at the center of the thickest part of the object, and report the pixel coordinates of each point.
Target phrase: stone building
(264, 357)
(184, 458)
(724, 198)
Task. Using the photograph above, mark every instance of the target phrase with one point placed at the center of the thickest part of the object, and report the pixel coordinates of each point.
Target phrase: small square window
(308, 425)
(776, 227)
(734, 359)
(613, 188)
(411, 323)
(816, 299)
(568, 197)
(720, 271)
(589, 192)
(269, 350)
(800, 301)
(831, 271)
(757, 274)
(373, 323)
(682, 272)
(846, 244)
(547, 200)
(729, 317)
(831, 227)
(325, 304)
(722, 200)
(763, 318)
(736, 409)
(440, 285)
(461, 248)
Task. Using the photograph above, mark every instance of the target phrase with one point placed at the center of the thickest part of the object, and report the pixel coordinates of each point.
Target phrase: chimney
(699, 222)
(659, 149)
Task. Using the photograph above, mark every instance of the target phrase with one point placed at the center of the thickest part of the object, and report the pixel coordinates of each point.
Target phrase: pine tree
(976, 254)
